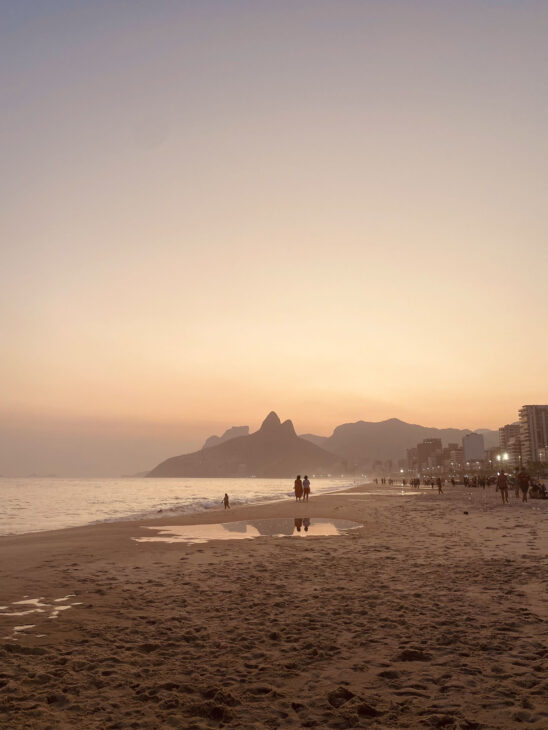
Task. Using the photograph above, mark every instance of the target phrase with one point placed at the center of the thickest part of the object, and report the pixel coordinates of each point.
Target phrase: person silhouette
(524, 482)
(306, 488)
(502, 486)
(298, 488)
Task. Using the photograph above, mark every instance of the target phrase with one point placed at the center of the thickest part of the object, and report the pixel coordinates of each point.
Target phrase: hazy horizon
(71, 449)
(212, 210)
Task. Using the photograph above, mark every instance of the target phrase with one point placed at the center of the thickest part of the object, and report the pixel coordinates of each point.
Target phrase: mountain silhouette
(366, 442)
(230, 433)
(274, 450)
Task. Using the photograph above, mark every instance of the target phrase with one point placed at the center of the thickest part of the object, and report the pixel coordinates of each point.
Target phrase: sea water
(36, 504)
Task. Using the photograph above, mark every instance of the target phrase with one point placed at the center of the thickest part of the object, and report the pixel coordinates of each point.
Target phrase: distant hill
(230, 433)
(318, 440)
(365, 442)
(490, 437)
(274, 450)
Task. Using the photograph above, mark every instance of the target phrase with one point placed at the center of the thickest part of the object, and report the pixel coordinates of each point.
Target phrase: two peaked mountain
(274, 450)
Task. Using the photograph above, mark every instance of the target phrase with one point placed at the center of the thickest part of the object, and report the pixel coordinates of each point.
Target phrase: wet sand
(423, 617)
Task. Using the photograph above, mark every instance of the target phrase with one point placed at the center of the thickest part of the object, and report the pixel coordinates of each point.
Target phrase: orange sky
(333, 210)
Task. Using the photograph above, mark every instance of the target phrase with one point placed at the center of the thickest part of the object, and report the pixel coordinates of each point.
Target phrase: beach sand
(424, 617)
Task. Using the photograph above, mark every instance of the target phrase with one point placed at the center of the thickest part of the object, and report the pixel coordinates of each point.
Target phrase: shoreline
(117, 534)
(194, 507)
(212, 516)
(433, 613)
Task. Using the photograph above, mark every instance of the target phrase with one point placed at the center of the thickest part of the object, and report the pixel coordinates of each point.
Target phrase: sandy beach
(432, 614)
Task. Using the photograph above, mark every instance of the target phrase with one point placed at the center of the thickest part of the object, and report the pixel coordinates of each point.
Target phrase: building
(510, 443)
(474, 447)
(412, 460)
(508, 434)
(429, 453)
(533, 425)
(493, 456)
(452, 457)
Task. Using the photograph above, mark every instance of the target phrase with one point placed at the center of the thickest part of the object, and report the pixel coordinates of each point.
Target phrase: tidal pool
(248, 529)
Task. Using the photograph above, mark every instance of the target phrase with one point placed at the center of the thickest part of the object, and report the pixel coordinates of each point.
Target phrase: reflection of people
(298, 488)
(306, 488)
(298, 523)
(226, 502)
(306, 523)
(439, 485)
(502, 485)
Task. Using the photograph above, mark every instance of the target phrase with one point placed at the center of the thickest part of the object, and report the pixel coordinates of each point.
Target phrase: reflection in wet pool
(398, 492)
(248, 529)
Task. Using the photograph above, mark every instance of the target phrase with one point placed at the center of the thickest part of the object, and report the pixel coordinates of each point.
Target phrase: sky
(209, 210)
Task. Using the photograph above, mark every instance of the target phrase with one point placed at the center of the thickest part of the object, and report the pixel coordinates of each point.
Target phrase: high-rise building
(412, 459)
(429, 453)
(533, 424)
(507, 434)
(452, 457)
(510, 443)
(474, 447)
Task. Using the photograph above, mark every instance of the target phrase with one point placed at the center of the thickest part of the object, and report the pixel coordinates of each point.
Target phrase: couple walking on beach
(522, 484)
(302, 488)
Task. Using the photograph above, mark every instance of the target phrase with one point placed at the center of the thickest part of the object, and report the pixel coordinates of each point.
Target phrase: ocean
(37, 504)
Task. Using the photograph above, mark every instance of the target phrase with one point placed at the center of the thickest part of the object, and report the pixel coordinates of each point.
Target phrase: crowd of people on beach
(416, 483)
(523, 484)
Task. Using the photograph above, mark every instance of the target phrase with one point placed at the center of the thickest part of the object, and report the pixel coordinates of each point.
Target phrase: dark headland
(274, 451)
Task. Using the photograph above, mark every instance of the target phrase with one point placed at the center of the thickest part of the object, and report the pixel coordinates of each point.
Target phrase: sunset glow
(212, 210)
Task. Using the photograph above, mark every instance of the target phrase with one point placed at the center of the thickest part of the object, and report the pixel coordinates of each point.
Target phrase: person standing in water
(298, 488)
(226, 501)
(306, 488)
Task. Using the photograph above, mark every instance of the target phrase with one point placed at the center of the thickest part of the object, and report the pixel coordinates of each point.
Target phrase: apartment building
(533, 429)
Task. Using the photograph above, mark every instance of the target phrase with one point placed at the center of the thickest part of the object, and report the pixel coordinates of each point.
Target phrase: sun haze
(211, 210)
